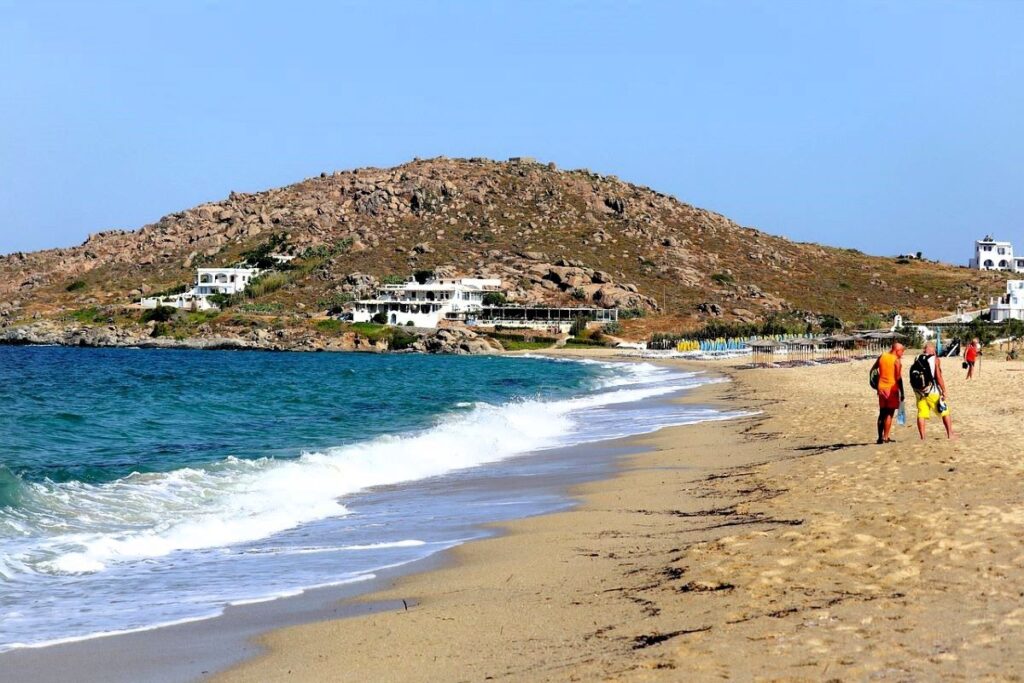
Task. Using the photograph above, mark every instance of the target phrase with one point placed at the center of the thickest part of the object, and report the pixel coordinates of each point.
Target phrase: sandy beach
(781, 546)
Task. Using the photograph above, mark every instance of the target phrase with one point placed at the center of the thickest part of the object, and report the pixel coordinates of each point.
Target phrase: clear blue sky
(885, 126)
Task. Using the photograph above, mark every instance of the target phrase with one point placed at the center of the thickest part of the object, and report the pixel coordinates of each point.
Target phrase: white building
(224, 280)
(1010, 305)
(425, 304)
(208, 281)
(990, 254)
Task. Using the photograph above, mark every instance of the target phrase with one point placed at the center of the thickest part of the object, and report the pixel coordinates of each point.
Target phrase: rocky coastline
(49, 333)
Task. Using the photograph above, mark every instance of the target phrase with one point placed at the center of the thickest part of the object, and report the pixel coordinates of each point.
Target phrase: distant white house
(1010, 305)
(425, 304)
(991, 254)
(208, 281)
(898, 322)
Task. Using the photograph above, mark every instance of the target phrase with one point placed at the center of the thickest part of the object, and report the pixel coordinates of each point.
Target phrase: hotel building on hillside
(461, 300)
(208, 281)
(425, 304)
(990, 254)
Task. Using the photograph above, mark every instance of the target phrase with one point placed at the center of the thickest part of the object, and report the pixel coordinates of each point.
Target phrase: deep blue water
(141, 487)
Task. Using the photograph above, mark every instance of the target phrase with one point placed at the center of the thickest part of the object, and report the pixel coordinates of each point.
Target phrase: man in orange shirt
(890, 388)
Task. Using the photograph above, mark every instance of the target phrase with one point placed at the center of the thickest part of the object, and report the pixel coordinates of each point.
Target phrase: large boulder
(622, 296)
(456, 341)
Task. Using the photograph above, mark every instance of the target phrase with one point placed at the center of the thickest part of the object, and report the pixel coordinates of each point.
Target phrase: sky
(884, 126)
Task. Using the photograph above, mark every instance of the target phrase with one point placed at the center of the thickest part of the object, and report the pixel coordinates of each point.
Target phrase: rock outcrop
(456, 341)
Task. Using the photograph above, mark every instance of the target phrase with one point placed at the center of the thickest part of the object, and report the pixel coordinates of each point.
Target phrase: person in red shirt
(971, 357)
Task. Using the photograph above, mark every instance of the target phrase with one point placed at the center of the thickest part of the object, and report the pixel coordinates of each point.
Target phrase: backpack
(873, 378)
(921, 375)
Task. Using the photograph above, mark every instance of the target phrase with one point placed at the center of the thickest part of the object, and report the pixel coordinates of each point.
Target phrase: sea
(141, 487)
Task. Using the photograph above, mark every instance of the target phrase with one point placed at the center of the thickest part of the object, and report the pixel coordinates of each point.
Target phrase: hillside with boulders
(571, 237)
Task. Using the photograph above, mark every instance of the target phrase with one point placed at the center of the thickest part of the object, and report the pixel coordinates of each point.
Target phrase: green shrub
(323, 251)
(260, 256)
(75, 286)
(223, 300)
(329, 326)
(494, 299)
(985, 331)
(368, 328)
(266, 308)
(422, 276)
(524, 345)
(380, 318)
(1012, 328)
(722, 278)
(372, 331)
(200, 317)
(583, 343)
(872, 322)
(400, 339)
(912, 337)
(335, 304)
(392, 280)
(613, 327)
(160, 314)
(88, 315)
(266, 283)
(830, 323)
(579, 325)
(627, 313)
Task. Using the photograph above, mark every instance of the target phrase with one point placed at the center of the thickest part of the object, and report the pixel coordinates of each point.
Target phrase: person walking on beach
(930, 389)
(971, 357)
(890, 388)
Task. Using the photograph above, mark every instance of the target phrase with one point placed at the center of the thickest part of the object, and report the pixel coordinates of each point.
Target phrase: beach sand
(780, 546)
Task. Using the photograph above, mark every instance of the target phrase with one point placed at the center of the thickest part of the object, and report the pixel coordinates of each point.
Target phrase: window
(1003, 264)
(1002, 250)
(988, 263)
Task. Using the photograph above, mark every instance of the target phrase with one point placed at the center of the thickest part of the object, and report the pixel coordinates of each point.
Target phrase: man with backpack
(887, 379)
(930, 389)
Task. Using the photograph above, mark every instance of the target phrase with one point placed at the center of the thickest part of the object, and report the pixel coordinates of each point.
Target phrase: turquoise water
(144, 487)
(95, 415)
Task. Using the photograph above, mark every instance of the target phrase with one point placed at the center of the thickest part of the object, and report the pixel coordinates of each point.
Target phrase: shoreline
(217, 642)
(258, 663)
(782, 545)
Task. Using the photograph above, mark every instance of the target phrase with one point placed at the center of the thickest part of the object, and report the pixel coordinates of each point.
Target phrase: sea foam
(78, 528)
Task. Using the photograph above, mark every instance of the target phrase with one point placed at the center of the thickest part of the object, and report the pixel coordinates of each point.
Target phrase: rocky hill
(553, 236)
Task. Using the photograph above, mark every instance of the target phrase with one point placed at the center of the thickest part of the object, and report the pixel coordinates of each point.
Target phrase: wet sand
(781, 546)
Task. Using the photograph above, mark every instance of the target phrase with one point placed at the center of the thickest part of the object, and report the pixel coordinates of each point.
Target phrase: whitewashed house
(208, 281)
(224, 280)
(425, 304)
(1010, 305)
(990, 254)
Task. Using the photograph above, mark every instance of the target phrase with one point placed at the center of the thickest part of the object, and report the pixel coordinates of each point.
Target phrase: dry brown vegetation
(516, 220)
